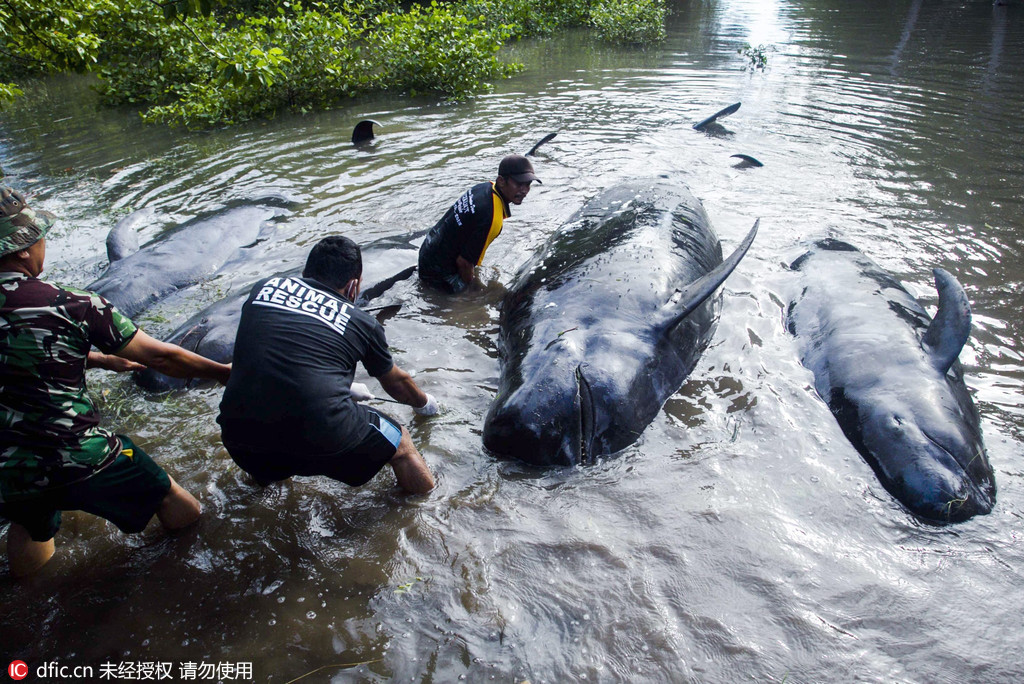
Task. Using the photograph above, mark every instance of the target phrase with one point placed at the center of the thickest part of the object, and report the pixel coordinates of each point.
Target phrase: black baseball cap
(518, 168)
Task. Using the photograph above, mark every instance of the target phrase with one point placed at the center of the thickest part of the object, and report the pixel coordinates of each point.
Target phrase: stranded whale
(890, 375)
(195, 250)
(603, 325)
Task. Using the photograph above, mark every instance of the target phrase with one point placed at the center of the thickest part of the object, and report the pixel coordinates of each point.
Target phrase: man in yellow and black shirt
(457, 243)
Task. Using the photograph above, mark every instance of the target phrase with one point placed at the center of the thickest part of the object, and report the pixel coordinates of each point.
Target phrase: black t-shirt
(466, 230)
(296, 351)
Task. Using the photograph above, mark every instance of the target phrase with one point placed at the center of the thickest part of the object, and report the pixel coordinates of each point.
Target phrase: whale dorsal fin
(951, 327)
(123, 238)
(363, 132)
(694, 294)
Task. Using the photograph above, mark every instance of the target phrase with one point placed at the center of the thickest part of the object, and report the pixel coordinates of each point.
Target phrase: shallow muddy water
(742, 538)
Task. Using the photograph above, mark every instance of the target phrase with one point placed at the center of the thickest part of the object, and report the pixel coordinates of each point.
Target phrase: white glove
(430, 408)
(360, 392)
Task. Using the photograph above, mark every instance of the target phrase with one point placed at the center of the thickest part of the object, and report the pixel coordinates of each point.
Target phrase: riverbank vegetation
(202, 63)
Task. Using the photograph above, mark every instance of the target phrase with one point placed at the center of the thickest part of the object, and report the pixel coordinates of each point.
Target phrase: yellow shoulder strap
(497, 218)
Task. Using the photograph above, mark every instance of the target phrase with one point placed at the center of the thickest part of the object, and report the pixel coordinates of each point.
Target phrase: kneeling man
(289, 407)
(456, 244)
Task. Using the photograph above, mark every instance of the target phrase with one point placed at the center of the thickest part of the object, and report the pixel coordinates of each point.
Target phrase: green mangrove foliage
(523, 18)
(8, 92)
(630, 22)
(298, 59)
(211, 62)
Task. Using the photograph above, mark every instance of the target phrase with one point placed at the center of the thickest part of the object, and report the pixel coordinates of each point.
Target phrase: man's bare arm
(402, 387)
(111, 362)
(172, 360)
(465, 269)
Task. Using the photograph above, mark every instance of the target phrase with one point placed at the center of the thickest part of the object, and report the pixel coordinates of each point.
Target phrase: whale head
(546, 420)
(587, 393)
(605, 323)
(926, 450)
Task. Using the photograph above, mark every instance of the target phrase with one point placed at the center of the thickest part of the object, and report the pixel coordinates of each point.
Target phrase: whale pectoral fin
(694, 294)
(721, 114)
(951, 327)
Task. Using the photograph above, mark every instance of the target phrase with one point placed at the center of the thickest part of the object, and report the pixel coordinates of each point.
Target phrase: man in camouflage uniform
(53, 454)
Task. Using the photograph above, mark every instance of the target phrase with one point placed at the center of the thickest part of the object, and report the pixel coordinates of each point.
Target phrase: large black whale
(890, 375)
(605, 323)
(195, 250)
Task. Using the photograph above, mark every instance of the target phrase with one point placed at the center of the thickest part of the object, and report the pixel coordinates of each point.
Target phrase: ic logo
(17, 669)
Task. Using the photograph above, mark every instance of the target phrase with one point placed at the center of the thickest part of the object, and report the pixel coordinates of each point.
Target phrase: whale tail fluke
(951, 327)
(746, 160)
(546, 138)
(379, 288)
(694, 294)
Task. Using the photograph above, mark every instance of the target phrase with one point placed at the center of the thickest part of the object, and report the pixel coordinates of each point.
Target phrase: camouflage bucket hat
(20, 225)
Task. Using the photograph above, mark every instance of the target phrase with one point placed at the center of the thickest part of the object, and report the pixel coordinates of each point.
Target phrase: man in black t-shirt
(457, 243)
(290, 408)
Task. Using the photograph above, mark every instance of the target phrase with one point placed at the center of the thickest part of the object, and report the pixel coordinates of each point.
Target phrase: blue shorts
(354, 466)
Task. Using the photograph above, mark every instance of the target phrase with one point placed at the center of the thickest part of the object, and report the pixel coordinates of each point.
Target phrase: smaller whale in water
(194, 251)
(890, 375)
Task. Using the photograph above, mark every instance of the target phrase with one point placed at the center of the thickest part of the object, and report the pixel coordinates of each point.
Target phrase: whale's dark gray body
(603, 326)
(890, 375)
(211, 332)
(195, 250)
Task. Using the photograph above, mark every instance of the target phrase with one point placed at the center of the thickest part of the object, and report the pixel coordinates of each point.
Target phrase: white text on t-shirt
(294, 295)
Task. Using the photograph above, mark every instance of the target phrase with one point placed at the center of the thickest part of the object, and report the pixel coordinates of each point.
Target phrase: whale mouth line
(586, 417)
(962, 468)
(938, 444)
(974, 492)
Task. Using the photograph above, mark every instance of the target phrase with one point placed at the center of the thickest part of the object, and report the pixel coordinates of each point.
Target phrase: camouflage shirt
(49, 428)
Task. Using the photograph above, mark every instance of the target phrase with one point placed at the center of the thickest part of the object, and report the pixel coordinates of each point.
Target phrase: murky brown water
(742, 538)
